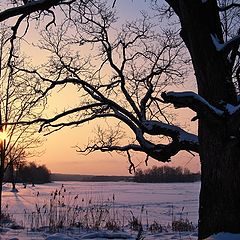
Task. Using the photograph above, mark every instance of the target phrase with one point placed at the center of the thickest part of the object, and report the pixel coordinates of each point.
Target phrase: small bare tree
(20, 100)
(20, 96)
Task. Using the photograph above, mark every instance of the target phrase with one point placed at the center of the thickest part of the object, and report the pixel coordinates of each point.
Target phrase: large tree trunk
(219, 206)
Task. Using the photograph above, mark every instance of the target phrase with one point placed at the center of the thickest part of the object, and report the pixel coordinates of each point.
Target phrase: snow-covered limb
(193, 101)
(227, 46)
(175, 132)
(181, 140)
(160, 152)
(217, 43)
(164, 152)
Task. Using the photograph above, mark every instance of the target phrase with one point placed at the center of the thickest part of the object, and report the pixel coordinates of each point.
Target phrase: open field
(149, 203)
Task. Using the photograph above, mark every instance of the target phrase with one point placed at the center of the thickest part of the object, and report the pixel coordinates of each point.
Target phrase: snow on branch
(181, 140)
(159, 128)
(217, 43)
(227, 46)
(193, 101)
(164, 152)
(160, 152)
(234, 113)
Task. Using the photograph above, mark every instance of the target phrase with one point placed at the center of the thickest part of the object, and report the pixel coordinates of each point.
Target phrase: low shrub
(155, 227)
(135, 223)
(182, 225)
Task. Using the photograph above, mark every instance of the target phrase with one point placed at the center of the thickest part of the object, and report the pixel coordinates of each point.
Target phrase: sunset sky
(60, 155)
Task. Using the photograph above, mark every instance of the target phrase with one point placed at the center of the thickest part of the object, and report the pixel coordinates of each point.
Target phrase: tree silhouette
(126, 77)
(21, 98)
(165, 174)
(33, 173)
(126, 80)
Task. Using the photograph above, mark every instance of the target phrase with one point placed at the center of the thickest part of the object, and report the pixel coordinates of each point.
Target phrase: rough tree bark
(219, 208)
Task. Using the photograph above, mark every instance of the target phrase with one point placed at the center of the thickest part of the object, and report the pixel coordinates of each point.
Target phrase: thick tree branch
(195, 102)
(228, 46)
(31, 7)
(159, 128)
(160, 152)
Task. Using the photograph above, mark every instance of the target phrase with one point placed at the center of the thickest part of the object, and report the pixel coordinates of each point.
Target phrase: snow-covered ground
(161, 203)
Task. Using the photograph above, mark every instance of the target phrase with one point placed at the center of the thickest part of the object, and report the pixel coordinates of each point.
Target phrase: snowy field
(161, 203)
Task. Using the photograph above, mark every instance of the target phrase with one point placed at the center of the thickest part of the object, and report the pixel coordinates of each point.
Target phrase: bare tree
(19, 94)
(20, 100)
(13, 162)
(141, 63)
(140, 67)
(121, 76)
(134, 67)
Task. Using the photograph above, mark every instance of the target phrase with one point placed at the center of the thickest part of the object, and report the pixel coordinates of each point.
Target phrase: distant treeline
(37, 174)
(165, 174)
(88, 178)
(28, 173)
